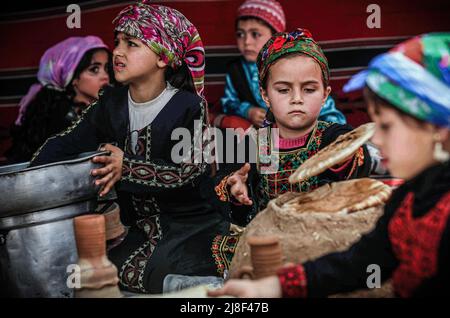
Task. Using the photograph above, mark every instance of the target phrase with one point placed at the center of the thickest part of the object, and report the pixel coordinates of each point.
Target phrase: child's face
(93, 78)
(295, 92)
(134, 61)
(405, 145)
(251, 35)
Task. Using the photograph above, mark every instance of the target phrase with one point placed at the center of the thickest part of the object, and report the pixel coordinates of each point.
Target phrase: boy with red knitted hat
(257, 21)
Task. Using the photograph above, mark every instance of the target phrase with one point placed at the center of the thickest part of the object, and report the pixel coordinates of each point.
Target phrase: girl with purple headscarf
(70, 75)
(168, 204)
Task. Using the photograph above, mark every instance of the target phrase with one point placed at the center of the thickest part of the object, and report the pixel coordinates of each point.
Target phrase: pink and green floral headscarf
(169, 34)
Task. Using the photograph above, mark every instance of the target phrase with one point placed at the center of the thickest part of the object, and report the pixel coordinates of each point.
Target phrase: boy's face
(295, 92)
(133, 60)
(251, 35)
(406, 146)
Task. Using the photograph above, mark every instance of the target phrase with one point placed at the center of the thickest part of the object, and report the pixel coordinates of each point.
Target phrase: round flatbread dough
(336, 152)
(342, 197)
(310, 225)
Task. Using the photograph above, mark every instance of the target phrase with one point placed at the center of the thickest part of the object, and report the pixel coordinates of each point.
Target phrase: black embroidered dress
(170, 208)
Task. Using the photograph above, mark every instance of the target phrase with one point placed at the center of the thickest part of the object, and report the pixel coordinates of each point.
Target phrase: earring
(269, 119)
(439, 153)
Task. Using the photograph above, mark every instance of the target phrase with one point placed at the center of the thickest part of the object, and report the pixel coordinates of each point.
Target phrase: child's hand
(112, 171)
(268, 287)
(256, 116)
(238, 185)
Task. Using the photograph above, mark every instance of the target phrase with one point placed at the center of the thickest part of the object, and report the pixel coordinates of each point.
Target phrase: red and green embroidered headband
(281, 44)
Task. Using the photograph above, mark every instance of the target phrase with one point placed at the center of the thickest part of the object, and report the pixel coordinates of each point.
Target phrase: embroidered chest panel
(415, 242)
(272, 185)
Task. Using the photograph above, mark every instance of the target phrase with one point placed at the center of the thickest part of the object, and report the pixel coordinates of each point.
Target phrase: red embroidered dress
(411, 244)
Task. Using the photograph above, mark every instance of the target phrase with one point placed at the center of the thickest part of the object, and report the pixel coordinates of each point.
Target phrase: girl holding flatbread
(408, 96)
(294, 80)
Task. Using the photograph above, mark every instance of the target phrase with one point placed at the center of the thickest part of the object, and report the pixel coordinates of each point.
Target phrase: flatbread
(337, 152)
(311, 225)
(342, 197)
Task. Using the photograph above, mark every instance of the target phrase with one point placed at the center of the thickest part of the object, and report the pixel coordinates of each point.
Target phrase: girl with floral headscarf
(167, 202)
(408, 96)
(70, 75)
(294, 81)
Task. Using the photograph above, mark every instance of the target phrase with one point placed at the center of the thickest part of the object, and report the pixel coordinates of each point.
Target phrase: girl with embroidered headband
(408, 96)
(256, 22)
(294, 81)
(168, 205)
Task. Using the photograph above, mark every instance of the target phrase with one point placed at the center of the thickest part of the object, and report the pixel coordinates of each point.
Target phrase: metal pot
(36, 250)
(25, 189)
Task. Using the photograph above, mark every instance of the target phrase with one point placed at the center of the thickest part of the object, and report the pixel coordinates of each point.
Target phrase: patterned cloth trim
(222, 189)
(223, 249)
(142, 172)
(132, 271)
(358, 161)
(293, 281)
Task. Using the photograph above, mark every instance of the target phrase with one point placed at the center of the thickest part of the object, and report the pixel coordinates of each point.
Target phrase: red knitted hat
(270, 11)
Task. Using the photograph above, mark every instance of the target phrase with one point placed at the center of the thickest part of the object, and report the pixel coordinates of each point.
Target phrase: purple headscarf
(57, 66)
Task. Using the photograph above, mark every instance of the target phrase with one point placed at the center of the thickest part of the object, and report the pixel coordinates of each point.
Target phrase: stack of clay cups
(98, 276)
(266, 256)
(114, 227)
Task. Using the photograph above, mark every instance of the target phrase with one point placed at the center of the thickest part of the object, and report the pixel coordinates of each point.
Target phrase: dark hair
(247, 18)
(287, 56)
(379, 102)
(44, 117)
(180, 78)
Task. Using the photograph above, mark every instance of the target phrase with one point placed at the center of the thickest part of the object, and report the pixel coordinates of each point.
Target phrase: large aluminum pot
(26, 189)
(36, 250)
